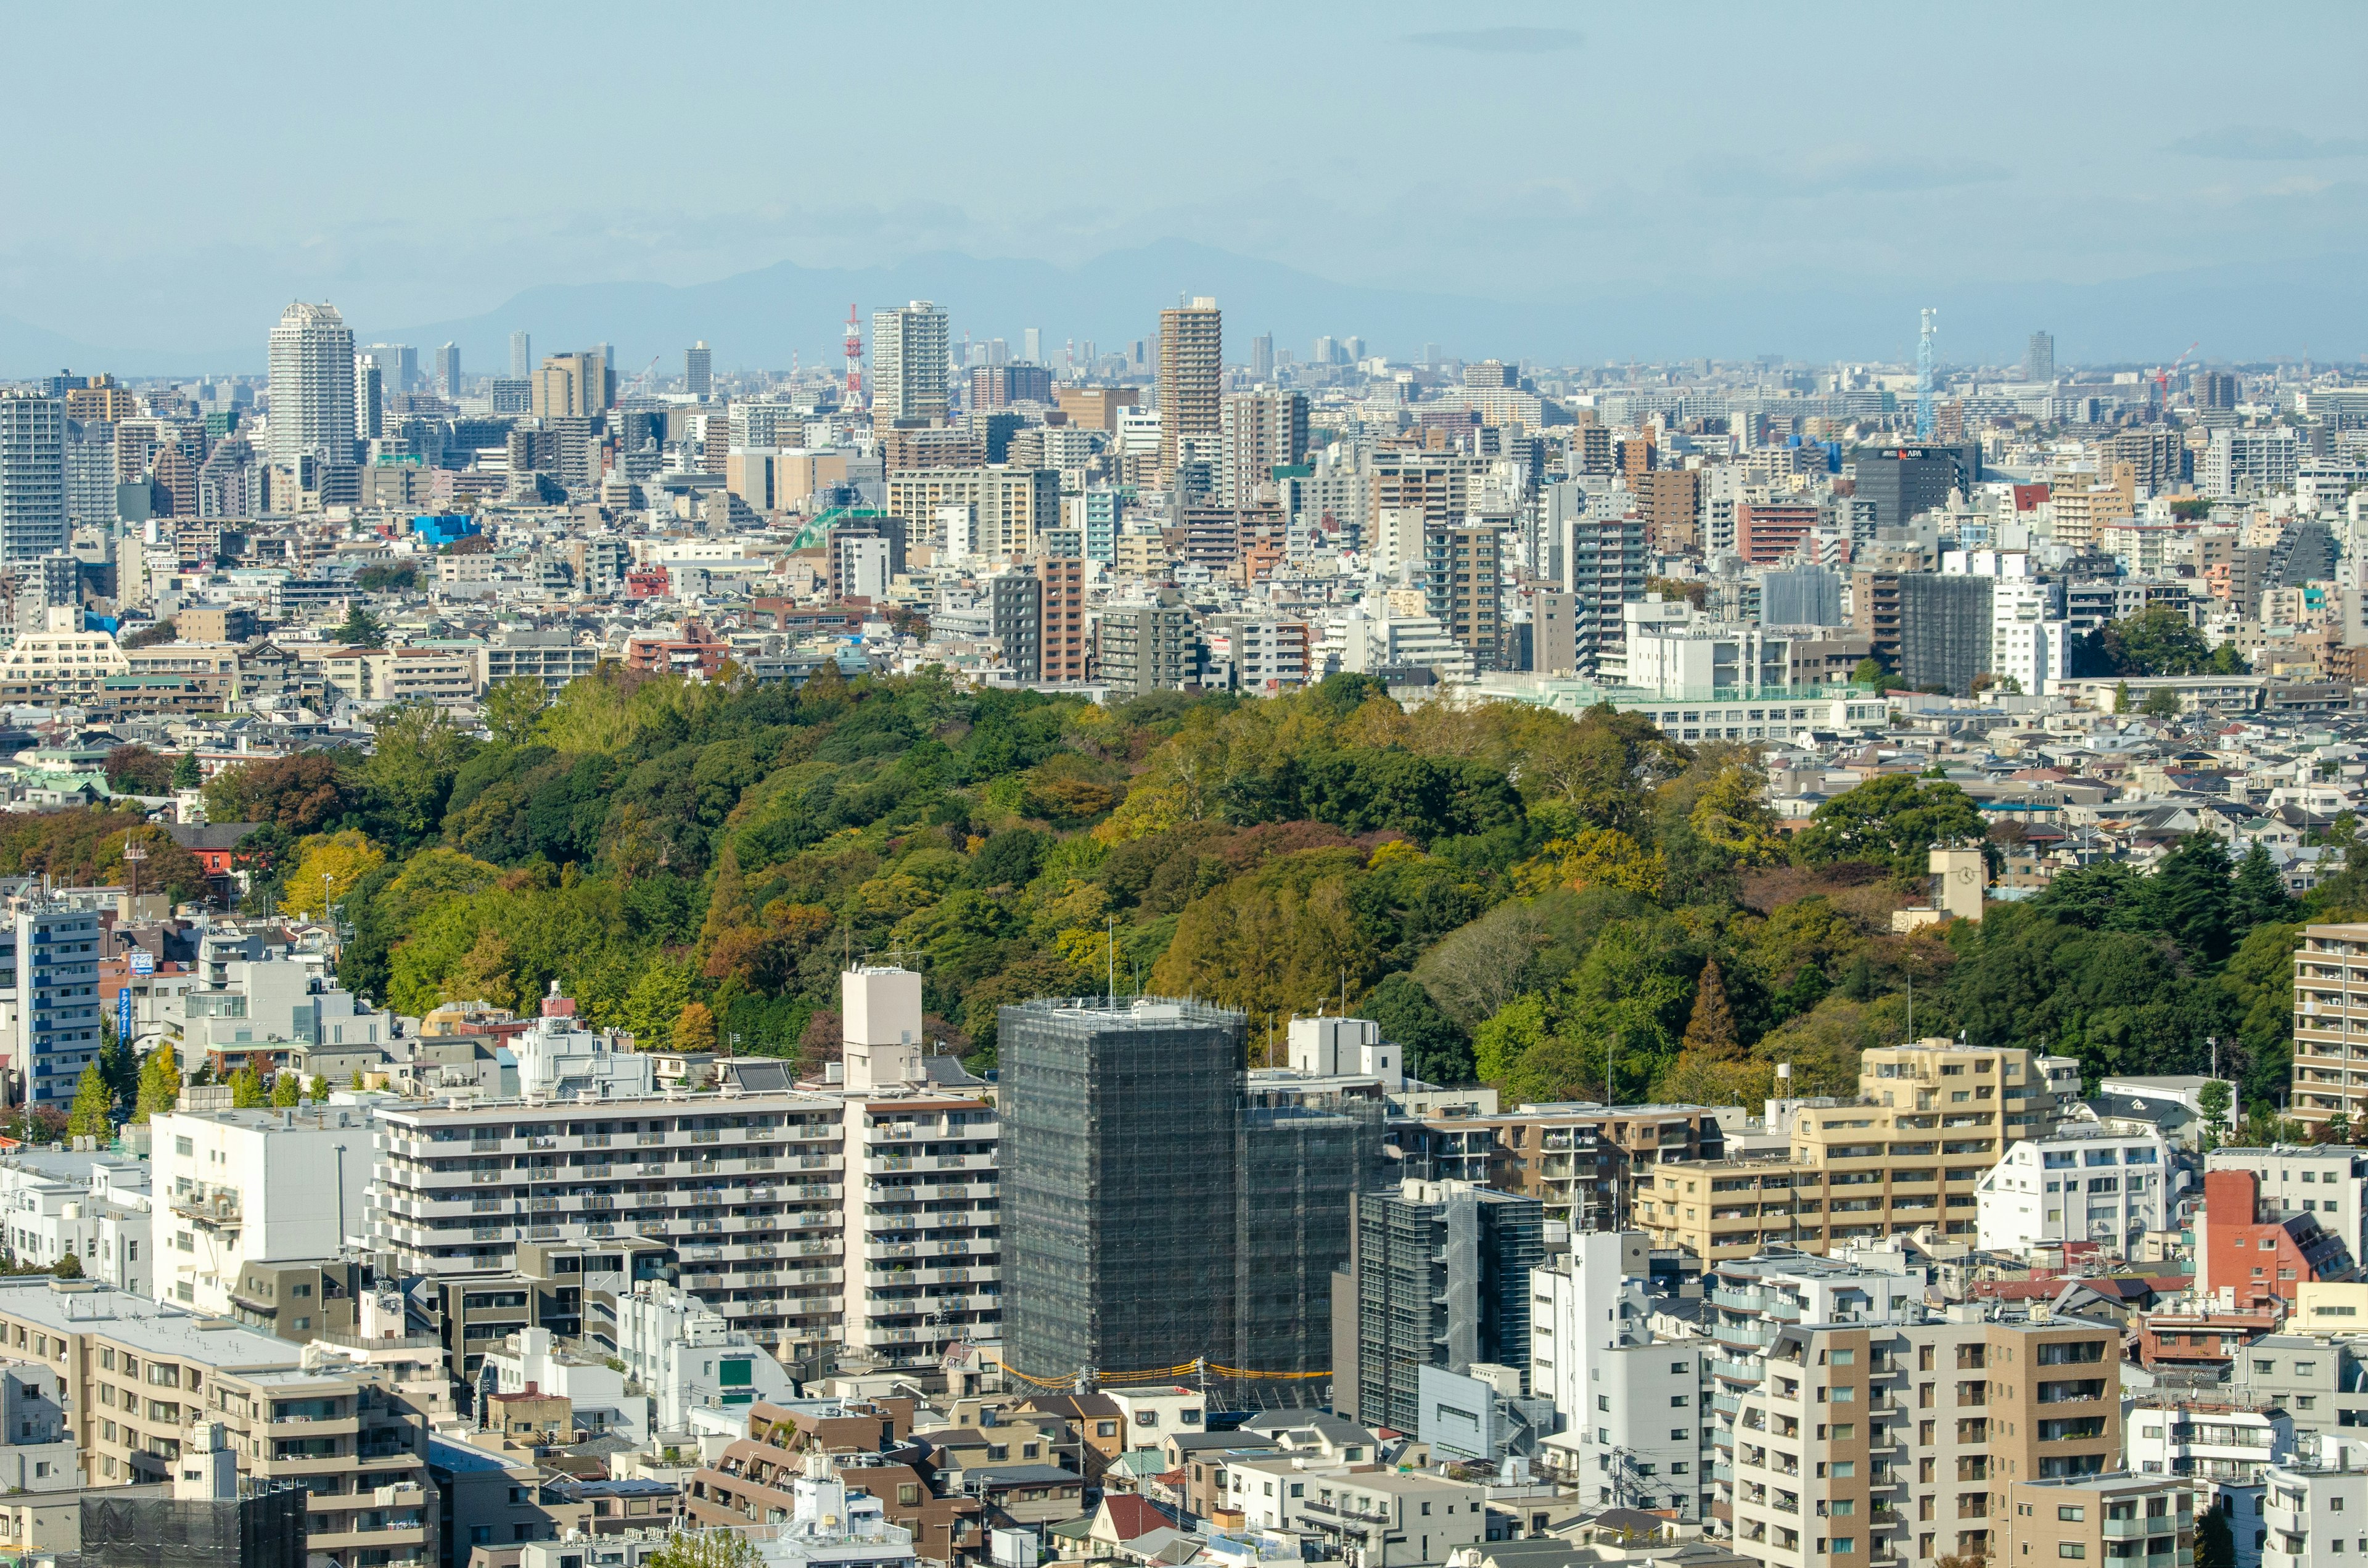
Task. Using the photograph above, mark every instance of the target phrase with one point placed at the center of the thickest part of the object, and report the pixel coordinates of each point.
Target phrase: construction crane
(642, 381)
(2162, 378)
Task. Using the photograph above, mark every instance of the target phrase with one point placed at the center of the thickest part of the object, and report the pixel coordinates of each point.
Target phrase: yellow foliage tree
(327, 867)
(1731, 814)
(1593, 857)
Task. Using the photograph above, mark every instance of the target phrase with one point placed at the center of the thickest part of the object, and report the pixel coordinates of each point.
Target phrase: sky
(425, 162)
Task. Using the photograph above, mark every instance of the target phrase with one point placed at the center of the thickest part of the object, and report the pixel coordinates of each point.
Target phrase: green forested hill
(1517, 894)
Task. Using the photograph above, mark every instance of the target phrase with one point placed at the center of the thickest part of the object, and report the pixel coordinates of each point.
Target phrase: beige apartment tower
(1897, 1443)
(1192, 372)
(909, 347)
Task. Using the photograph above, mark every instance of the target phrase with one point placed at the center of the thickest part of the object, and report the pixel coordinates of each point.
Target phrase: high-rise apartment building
(1671, 500)
(774, 1196)
(1463, 583)
(521, 356)
(697, 368)
(369, 398)
(909, 346)
(1061, 651)
(1148, 647)
(1915, 1441)
(1121, 1122)
(1257, 432)
(1262, 356)
(33, 511)
(1439, 1277)
(1191, 372)
(1605, 565)
(52, 959)
(1014, 506)
(447, 371)
(1164, 1205)
(2039, 357)
(574, 386)
(311, 362)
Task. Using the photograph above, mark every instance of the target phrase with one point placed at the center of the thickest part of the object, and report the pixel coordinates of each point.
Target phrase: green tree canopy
(1893, 820)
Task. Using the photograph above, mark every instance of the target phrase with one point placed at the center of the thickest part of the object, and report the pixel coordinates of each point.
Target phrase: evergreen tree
(1434, 1049)
(2120, 697)
(2215, 1543)
(246, 1090)
(286, 1089)
(2262, 894)
(121, 1070)
(1710, 1032)
(93, 1106)
(160, 1084)
(2191, 898)
(187, 775)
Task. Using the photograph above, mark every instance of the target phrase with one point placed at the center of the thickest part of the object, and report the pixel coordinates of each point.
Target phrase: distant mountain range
(2282, 306)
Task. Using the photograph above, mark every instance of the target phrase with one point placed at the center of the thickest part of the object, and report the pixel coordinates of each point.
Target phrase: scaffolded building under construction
(1157, 1213)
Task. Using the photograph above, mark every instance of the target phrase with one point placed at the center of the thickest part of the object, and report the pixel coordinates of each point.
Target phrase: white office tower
(697, 368)
(521, 356)
(312, 385)
(32, 476)
(908, 362)
(882, 1010)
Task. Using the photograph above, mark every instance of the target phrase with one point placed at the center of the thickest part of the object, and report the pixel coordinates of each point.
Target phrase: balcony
(209, 1209)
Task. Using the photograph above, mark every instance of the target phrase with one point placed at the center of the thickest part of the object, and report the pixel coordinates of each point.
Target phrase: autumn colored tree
(694, 1027)
(94, 1105)
(326, 870)
(1710, 1032)
(160, 1084)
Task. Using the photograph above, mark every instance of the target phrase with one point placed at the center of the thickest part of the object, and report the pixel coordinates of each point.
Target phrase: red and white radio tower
(854, 361)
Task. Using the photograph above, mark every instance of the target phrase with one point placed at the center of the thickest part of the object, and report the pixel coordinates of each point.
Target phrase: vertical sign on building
(123, 1014)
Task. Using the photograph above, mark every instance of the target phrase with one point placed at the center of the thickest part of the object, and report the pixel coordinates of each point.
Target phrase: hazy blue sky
(180, 172)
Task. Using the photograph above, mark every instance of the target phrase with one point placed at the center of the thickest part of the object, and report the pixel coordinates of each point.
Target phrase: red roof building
(2205, 1339)
(2248, 1254)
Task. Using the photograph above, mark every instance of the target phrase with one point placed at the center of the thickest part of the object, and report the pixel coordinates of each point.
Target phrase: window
(2070, 1549)
(480, 1535)
(2071, 1513)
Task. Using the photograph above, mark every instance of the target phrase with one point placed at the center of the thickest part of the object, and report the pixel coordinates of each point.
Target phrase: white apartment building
(239, 1186)
(2225, 1449)
(860, 1213)
(2252, 463)
(926, 1216)
(689, 1357)
(2314, 1514)
(1634, 1410)
(2029, 641)
(531, 1358)
(93, 1206)
(2077, 1183)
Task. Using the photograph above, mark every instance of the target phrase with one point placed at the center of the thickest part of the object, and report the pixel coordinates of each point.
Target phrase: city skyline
(1807, 226)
